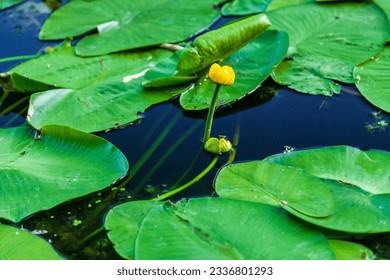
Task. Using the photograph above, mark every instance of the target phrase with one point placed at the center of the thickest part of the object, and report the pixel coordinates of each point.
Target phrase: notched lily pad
(41, 169)
(211, 228)
(326, 42)
(260, 181)
(126, 25)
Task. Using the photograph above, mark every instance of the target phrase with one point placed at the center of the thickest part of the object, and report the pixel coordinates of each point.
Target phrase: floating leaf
(211, 228)
(4, 4)
(359, 182)
(346, 250)
(126, 25)
(252, 65)
(326, 42)
(60, 67)
(244, 7)
(355, 211)
(16, 244)
(385, 5)
(260, 181)
(277, 4)
(40, 170)
(109, 104)
(368, 170)
(373, 80)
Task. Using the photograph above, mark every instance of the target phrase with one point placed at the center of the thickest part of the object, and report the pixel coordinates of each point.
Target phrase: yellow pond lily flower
(223, 75)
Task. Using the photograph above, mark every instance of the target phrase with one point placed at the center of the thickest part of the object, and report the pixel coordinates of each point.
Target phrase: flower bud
(222, 75)
(217, 146)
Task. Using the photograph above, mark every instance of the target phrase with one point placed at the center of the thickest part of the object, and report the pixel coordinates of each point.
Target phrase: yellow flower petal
(222, 75)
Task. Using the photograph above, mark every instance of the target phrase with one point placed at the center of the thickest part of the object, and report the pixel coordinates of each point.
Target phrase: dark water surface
(289, 120)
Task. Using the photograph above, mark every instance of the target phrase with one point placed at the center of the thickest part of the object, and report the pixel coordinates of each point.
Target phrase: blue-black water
(288, 120)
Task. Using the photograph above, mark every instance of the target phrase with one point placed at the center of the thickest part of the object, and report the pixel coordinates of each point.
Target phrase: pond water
(287, 121)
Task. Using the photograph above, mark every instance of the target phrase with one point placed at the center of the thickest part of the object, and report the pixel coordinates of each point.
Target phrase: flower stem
(210, 115)
(186, 185)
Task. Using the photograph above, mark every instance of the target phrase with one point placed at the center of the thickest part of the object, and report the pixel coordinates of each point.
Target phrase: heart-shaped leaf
(275, 184)
(126, 25)
(368, 170)
(16, 244)
(326, 42)
(110, 104)
(373, 82)
(211, 228)
(61, 67)
(40, 170)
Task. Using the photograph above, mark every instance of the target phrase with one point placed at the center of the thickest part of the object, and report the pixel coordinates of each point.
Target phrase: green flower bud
(218, 146)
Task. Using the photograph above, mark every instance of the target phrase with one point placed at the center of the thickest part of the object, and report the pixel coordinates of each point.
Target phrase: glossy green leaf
(373, 80)
(244, 7)
(126, 25)
(221, 43)
(211, 228)
(40, 170)
(359, 182)
(368, 170)
(60, 67)
(4, 4)
(277, 4)
(385, 5)
(355, 211)
(346, 250)
(110, 104)
(16, 244)
(252, 65)
(326, 42)
(274, 184)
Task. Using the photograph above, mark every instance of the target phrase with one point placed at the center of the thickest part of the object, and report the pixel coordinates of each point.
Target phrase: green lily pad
(4, 4)
(40, 170)
(326, 42)
(110, 104)
(274, 184)
(385, 5)
(346, 250)
(252, 65)
(16, 244)
(359, 182)
(355, 211)
(277, 4)
(211, 228)
(368, 170)
(126, 25)
(373, 82)
(244, 7)
(61, 67)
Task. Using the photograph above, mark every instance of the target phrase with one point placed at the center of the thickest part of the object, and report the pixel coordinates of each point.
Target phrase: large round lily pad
(326, 42)
(373, 80)
(275, 184)
(211, 228)
(16, 244)
(40, 170)
(128, 24)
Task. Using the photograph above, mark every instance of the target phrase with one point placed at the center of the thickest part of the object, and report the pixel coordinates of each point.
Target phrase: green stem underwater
(210, 115)
(190, 183)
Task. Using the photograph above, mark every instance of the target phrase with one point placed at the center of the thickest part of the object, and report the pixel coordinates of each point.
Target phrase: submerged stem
(188, 184)
(210, 115)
